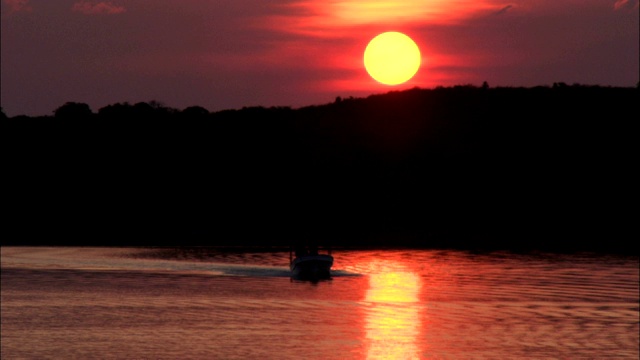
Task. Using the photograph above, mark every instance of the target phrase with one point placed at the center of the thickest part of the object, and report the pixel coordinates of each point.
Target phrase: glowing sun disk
(392, 58)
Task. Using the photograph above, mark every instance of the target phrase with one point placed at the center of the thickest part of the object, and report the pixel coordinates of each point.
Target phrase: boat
(310, 263)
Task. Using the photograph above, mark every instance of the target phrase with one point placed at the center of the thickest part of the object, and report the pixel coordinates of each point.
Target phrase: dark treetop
(546, 168)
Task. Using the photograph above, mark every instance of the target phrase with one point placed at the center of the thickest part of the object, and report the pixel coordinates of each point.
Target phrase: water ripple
(117, 303)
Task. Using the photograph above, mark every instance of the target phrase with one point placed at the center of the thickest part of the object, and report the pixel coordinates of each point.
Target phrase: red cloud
(97, 8)
(625, 4)
(18, 5)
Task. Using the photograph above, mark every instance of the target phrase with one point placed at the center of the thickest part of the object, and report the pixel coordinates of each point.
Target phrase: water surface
(380, 304)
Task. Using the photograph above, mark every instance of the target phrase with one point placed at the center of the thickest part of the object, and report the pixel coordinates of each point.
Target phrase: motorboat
(310, 263)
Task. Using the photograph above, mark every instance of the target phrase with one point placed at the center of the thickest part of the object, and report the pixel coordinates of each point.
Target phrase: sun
(392, 58)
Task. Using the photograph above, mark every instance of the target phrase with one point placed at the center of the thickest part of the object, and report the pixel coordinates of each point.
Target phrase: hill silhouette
(545, 168)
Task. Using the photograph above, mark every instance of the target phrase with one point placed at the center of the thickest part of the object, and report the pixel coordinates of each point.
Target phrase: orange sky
(232, 53)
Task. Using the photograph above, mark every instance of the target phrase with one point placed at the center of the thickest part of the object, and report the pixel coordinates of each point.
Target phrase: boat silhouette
(310, 262)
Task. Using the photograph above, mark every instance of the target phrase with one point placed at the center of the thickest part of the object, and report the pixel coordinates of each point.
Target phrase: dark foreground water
(63, 303)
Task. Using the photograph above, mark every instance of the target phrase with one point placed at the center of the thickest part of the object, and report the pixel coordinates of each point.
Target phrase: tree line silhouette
(545, 168)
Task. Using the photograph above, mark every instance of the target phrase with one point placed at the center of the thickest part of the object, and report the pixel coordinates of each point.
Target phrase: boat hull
(312, 267)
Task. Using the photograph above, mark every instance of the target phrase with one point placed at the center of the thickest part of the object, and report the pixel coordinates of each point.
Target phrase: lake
(208, 303)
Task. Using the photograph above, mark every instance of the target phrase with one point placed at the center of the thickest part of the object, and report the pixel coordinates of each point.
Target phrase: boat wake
(124, 259)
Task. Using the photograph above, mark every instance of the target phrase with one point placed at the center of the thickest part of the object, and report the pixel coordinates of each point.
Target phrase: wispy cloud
(321, 18)
(625, 4)
(503, 10)
(97, 8)
(18, 5)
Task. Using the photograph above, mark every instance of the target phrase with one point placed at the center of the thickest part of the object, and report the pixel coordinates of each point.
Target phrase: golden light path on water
(393, 317)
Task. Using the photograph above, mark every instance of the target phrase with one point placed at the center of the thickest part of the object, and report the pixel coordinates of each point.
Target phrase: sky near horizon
(224, 54)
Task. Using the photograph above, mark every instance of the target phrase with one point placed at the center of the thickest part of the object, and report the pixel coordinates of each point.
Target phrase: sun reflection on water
(393, 316)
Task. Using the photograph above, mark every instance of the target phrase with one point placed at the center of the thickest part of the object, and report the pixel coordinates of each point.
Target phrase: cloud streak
(626, 4)
(97, 8)
(503, 10)
(318, 18)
